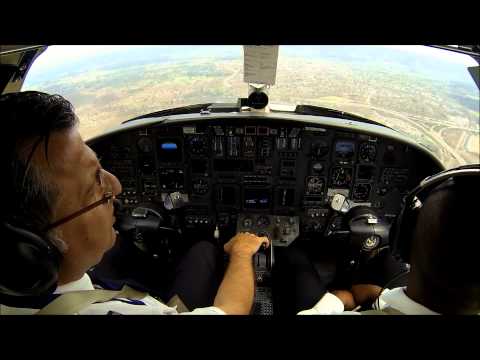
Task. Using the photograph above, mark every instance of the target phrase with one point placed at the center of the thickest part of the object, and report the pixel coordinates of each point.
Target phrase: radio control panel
(280, 230)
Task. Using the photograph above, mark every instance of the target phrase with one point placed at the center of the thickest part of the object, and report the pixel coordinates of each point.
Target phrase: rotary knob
(247, 223)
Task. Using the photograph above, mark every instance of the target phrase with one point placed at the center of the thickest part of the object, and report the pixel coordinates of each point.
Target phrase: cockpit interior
(211, 175)
(209, 171)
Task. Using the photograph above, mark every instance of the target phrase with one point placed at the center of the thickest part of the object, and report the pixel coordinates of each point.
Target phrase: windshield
(424, 93)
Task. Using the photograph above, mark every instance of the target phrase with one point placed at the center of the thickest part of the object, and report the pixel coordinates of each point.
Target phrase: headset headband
(428, 182)
(402, 229)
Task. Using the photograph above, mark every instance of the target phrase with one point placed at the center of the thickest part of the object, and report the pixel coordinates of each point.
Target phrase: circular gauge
(319, 149)
(145, 145)
(263, 221)
(247, 222)
(341, 177)
(198, 145)
(315, 185)
(368, 152)
(361, 192)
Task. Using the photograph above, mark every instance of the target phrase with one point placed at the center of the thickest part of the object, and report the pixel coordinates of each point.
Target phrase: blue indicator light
(169, 146)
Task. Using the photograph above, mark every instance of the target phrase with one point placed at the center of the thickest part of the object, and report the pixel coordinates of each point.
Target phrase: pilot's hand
(346, 297)
(365, 293)
(245, 244)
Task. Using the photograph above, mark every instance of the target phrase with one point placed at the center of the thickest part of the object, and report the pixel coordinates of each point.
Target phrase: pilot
(444, 276)
(50, 174)
(305, 272)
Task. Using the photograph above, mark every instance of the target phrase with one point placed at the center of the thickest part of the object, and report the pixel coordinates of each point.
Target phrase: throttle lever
(266, 251)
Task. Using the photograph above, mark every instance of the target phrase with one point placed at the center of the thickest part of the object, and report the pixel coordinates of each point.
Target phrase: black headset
(402, 230)
(28, 263)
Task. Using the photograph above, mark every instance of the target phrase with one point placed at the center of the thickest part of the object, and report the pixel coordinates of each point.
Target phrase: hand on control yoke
(245, 244)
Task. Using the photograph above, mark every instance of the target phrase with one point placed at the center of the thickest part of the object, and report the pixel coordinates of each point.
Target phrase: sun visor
(15, 62)
(6, 73)
(475, 73)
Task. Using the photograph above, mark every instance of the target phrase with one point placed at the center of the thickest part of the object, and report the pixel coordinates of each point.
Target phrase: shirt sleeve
(211, 310)
(122, 306)
(329, 304)
(380, 301)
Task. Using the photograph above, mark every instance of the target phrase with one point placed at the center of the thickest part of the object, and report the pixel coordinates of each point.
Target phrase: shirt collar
(398, 299)
(84, 283)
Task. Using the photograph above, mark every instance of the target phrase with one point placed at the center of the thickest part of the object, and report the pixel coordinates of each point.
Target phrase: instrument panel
(228, 169)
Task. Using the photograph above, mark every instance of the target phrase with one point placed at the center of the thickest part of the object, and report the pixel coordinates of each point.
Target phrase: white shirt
(120, 306)
(396, 298)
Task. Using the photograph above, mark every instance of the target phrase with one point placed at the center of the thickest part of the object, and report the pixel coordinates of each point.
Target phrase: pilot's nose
(116, 186)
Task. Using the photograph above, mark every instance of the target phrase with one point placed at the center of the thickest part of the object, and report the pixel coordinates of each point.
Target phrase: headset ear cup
(396, 234)
(402, 232)
(28, 265)
(408, 233)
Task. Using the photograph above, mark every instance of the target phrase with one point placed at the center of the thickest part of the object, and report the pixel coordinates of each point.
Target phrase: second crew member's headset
(403, 228)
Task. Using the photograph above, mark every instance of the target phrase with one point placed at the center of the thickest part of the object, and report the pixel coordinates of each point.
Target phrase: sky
(60, 54)
(446, 55)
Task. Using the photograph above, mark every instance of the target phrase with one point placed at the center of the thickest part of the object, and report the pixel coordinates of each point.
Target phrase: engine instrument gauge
(198, 145)
(361, 192)
(341, 177)
(368, 152)
(145, 144)
(314, 185)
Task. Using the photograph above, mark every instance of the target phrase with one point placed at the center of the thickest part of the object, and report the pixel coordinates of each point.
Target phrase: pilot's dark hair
(445, 249)
(28, 196)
